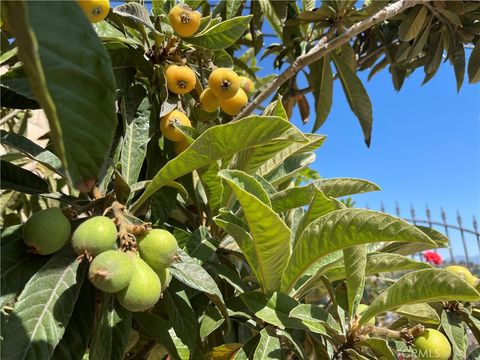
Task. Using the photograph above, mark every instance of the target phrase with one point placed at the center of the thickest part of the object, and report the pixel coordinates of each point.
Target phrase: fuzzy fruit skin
(95, 10)
(209, 101)
(224, 83)
(47, 231)
(247, 84)
(235, 104)
(111, 271)
(157, 248)
(181, 146)
(167, 125)
(184, 21)
(361, 310)
(94, 236)
(165, 278)
(180, 79)
(432, 345)
(144, 289)
(463, 272)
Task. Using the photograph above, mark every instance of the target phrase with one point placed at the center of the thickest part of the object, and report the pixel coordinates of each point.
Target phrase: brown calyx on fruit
(226, 84)
(181, 84)
(185, 18)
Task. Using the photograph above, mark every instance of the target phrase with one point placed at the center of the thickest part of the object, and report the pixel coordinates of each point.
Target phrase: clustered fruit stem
(358, 333)
(126, 231)
(406, 334)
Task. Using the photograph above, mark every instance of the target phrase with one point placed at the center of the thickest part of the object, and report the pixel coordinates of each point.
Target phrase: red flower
(432, 257)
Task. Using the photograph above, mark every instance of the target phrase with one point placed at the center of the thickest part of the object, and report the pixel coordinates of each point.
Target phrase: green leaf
(322, 79)
(268, 346)
(379, 347)
(211, 321)
(434, 56)
(276, 108)
(338, 187)
(223, 35)
(319, 14)
(213, 186)
(17, 265)
(112, 329)
(420, 42)
(474, 325)
(224, 351)
(378, 263)
(355, 260)
(269, 12)
(457, 58)
(474, 65)
(332, 267)
(182, 318)
(247, 351)
(33, 151)
(157, 329)
(289, 168)
(273, 309)
(136, 13)
(221, 58)
(231, 276)
(252, 159)
(429, 285)
(201, 245)
(232, 7)
(357, 96)
(123, 58)
(136, 110)
(319, 205)
(413, 24)
(267, 187)
(236, 228)
(216, 143)
(10, 234)
(246, 183)
(341, 229)
(292, 198)
(189, 272)
(439, 239)
(423, 313)
(43, 310)
(79, 100)
(315, 318)
(455, 330)
(271, 236)
(77, 335)
(16, 178)
(15, 82)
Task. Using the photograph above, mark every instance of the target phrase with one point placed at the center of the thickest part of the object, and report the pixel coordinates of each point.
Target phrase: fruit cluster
(138, 279)
(226, 90)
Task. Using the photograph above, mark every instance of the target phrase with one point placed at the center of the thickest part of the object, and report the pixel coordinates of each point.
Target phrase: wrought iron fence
(464, 239)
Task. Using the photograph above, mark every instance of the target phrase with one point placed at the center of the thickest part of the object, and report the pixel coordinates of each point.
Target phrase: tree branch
(326, 46)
